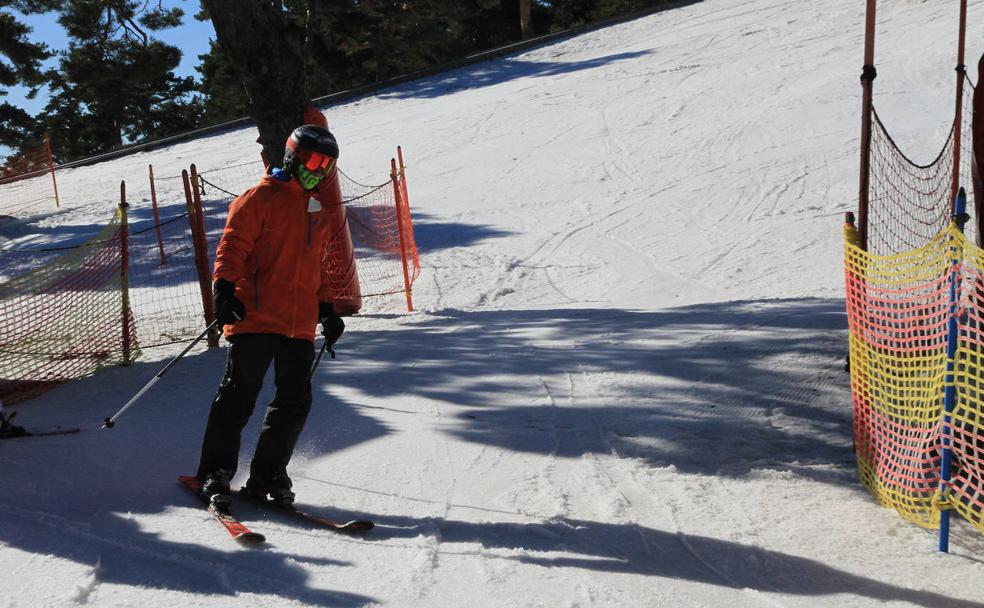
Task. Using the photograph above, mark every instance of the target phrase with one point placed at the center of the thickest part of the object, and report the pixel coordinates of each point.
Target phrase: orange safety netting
(25, 164)
(27, 183)
(66, 318)
(62, 308)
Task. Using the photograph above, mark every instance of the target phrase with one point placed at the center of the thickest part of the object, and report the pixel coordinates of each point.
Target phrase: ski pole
(324, 347)
(111, 421)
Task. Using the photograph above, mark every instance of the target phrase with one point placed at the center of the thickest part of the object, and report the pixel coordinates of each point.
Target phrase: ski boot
(216, 489)
(278, 488)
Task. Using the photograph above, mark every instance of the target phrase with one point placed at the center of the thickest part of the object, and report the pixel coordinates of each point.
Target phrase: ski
(19, 431)
(8, 430)
(233, 526)
(355, 526)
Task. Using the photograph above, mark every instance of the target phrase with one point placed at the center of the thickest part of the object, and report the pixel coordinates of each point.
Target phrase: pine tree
(225, 98)
(115, 83)
(564, 14)
(371, 40)
(22, 66)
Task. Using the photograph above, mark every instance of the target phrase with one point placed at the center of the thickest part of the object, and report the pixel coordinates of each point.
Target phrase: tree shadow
(496, 72)
(432, 235)
(73, 496)
(119, 552)
(713, 389)
(633, 549)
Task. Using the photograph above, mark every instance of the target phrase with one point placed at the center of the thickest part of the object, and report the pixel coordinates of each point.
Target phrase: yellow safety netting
(899, 308)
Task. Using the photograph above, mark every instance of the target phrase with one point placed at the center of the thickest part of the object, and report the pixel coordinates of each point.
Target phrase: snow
(624, 384)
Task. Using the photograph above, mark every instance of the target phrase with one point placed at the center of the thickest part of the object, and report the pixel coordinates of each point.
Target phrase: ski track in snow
(623, 385)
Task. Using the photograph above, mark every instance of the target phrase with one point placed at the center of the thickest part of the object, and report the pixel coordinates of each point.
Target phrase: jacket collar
(286, 180)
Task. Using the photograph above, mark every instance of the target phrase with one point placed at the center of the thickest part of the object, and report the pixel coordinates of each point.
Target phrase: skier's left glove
(332, 325)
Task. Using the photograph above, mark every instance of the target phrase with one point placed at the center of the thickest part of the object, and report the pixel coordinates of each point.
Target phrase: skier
(270, 293)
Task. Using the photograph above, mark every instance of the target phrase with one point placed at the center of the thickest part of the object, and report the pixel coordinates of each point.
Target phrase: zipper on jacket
(309, 229)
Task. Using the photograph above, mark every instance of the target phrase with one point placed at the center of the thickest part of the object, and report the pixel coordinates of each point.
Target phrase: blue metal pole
(950, 388)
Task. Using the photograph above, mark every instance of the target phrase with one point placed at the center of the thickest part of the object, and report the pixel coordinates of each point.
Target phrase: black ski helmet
(306, 139)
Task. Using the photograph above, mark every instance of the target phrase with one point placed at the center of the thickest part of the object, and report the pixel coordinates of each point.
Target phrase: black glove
(332, 325)
(228, 308)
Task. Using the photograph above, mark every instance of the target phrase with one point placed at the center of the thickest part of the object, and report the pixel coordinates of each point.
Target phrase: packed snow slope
(624, 385)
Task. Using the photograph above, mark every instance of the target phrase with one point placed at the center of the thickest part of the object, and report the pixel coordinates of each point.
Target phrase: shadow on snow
(497, 72)
(713, 389)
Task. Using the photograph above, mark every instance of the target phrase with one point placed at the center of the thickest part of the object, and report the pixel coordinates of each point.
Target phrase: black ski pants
(248, 360)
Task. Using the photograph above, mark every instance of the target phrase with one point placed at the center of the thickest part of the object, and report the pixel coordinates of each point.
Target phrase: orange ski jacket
(273, 250)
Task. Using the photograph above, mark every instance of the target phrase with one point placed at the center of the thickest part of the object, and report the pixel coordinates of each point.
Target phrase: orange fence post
(403, 175)
(206, 271)
(124, 273)
(398, 194)
(157, 218)
(51, 167)
(193, 202)
(406, 208)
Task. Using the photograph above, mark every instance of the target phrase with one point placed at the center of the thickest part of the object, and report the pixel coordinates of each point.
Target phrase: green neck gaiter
(308, 179)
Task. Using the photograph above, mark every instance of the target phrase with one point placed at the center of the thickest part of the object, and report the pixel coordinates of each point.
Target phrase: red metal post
(157, 218)
(867, 78)
(201, 256)
(51, 167)
(958, 115)
(213, 337)
(398, 195)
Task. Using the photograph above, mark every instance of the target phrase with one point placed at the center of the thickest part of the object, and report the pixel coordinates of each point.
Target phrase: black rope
(223, 190)
(868, 72)
(343, 202)
(898, 150)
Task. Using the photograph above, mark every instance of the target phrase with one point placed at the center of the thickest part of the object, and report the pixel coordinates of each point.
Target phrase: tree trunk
(525, 25)
(380, 49)
(266, 53)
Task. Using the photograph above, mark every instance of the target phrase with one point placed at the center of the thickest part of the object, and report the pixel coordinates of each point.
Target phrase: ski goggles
(317, 162)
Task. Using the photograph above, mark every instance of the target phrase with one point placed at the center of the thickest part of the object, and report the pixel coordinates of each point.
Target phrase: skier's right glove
(228, 308)
(332, 325)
